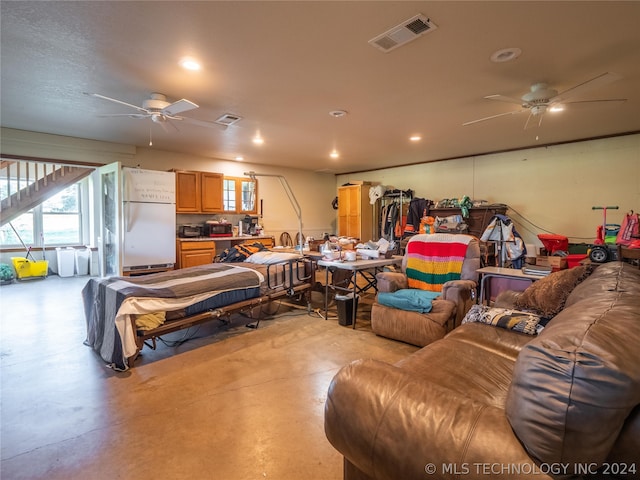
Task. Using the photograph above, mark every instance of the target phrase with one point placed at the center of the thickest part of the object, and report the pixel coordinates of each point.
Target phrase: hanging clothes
(511, 247)
(417, 208)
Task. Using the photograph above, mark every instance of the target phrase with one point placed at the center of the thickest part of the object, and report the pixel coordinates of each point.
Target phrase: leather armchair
(447, 311)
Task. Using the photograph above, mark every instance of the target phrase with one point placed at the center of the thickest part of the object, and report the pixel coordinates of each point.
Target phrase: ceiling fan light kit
(163, 112)
(541, 99)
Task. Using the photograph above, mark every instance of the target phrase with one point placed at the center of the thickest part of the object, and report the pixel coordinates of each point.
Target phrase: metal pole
(292, 199)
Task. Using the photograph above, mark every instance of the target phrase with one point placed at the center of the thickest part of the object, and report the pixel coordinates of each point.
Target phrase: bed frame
(299, 280)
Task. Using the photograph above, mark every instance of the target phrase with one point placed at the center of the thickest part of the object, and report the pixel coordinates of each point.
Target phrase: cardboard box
(555, 262)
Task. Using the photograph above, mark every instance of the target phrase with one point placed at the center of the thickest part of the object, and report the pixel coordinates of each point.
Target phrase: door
(149, 234)
(110, 213)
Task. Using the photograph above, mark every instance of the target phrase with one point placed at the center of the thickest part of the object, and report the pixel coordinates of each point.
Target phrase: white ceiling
(283, 66)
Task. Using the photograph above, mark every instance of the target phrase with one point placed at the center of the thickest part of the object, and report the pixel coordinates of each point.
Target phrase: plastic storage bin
(574, 259)
(66, 261)
(345, 305)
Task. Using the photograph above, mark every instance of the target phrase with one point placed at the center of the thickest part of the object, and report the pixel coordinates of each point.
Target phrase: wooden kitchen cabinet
(355, 212)
(211, 191)
(194, 253)
(198, 192)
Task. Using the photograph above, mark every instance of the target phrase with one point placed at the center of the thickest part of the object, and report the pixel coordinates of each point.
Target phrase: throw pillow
(523, 322)
(547, 295)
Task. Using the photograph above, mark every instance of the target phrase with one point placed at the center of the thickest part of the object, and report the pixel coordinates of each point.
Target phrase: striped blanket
(435, 259)
(110, 302)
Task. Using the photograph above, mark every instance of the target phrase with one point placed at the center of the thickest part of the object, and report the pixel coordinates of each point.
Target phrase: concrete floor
(234, 403)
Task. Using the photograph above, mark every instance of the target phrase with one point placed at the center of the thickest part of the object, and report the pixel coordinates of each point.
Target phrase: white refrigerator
(149, 219)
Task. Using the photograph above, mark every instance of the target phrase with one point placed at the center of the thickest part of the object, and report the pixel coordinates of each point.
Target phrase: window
(57, 221)
(239, 195)
(229, 195)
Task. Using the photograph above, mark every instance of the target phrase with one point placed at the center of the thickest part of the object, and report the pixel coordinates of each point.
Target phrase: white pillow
(268, 257)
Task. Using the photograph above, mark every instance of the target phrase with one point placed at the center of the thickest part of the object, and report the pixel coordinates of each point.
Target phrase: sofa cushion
(608, 277)
(414, 328)
(576, 383)
(468, 362)
(548, 295)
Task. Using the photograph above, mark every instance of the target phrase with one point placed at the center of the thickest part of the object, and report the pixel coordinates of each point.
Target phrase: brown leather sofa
(487, 402)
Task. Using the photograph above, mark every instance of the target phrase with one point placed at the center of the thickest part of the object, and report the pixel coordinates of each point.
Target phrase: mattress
(110, 303)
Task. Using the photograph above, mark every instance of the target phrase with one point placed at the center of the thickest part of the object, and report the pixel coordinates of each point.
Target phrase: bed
(122, 313)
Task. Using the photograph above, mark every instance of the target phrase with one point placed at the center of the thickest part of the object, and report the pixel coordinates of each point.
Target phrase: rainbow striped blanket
(435, 259)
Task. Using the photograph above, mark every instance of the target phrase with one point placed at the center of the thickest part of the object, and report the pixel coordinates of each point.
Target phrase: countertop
(222, 239)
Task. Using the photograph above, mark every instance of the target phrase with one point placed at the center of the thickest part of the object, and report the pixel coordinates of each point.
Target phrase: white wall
(313, 191)
(549, 188)
(553, 188)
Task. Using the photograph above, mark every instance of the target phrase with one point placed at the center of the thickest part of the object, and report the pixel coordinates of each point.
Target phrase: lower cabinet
(191, 254)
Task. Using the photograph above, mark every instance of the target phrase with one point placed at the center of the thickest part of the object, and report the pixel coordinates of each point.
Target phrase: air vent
(405, 32)
(228, 119)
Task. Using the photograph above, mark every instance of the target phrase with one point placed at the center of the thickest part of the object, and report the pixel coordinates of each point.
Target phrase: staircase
(26, 184)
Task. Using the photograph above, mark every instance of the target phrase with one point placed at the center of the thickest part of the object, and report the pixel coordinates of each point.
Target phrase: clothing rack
(391, 213)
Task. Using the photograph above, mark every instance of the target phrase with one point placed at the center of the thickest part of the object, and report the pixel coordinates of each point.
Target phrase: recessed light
(189, 63)
(258, 140)
(415, 138)
(239, 158)
(334, 154)
(338, 113)
(505, 55)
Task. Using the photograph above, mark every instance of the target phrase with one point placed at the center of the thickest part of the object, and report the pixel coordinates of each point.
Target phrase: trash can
(82, 261)
(66, 261)
(346, 305)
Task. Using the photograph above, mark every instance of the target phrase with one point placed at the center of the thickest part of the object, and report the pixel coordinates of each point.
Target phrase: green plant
(6, 272)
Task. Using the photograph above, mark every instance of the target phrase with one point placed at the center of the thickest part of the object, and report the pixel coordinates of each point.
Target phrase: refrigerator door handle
(127, 215)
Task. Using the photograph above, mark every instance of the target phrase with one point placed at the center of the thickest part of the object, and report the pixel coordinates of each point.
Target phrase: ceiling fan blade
(599, 81)
(169, 122)
(164, 126)
(97, 95)
(178, 107)
(493, 116)
(608, 100)
(130, 115)
(502, 98)
(201, 123)
(531, 124)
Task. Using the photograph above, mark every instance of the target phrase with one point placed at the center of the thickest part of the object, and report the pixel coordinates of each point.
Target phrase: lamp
(292, 199)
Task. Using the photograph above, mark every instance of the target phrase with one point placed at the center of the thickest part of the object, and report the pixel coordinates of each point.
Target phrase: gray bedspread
(109, 302)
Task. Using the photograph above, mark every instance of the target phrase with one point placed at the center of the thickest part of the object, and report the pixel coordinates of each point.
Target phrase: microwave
(216, 229)
(189, 231)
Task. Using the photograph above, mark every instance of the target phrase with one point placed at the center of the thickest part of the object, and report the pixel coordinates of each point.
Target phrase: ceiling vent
(404, 33)
(228, 119)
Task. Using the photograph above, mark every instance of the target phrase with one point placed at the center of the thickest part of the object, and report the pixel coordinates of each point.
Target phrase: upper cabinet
(240, 195)
(199, 192)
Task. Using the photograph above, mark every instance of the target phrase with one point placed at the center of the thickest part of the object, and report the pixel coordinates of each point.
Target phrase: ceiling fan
(541, 99)
(159, 110)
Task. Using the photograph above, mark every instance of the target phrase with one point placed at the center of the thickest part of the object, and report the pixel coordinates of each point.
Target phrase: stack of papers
(537, 270)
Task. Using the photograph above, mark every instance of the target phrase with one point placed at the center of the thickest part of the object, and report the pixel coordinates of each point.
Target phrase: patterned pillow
(523, 322)
(547, 295)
